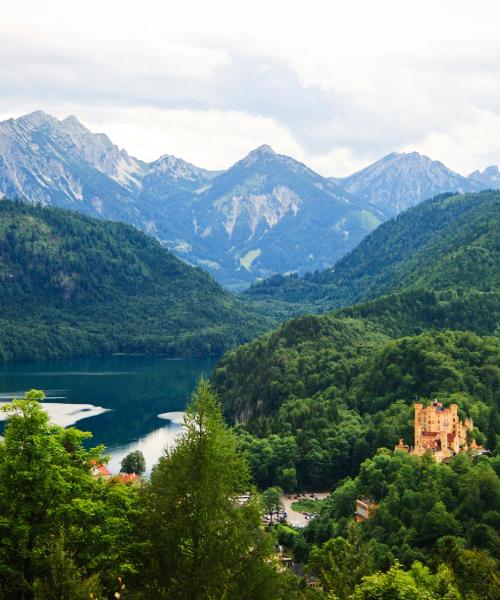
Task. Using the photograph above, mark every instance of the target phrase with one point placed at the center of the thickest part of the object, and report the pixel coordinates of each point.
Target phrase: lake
(117, 398)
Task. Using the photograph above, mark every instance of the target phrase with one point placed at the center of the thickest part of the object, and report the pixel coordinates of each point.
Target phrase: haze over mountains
(266, 214)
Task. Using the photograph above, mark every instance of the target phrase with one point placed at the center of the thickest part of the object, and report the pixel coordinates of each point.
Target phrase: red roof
(103, 470)
(100, 469)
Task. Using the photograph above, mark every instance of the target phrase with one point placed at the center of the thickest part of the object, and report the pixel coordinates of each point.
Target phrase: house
(99, 469)
(127, 477)
(364, 509)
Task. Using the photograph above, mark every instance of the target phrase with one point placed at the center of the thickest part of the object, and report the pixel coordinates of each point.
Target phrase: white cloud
(335, 84)
(478, 137)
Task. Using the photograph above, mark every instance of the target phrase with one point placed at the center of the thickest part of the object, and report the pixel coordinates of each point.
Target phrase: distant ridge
(450, 241)
(266, 214)
(490, 177)
(401, 180)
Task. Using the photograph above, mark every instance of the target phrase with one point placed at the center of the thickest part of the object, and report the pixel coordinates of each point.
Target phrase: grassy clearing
(307, 505)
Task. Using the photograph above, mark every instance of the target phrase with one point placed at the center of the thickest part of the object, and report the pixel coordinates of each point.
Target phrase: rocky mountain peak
(400, 180)
(37, 118)
(489, 177)
(264, 152)
(177, 168)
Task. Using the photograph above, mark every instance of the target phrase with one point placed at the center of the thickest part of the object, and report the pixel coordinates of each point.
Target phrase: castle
(439, 430)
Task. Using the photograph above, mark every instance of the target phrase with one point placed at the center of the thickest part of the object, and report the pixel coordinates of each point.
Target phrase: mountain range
(266, 214)
(399, 181)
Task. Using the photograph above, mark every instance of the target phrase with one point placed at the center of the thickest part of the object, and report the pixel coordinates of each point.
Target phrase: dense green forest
(317, 403)
(316, 397)
(194, 531)
(72, 285)
(320, 402)
(450, 241)
(333, 388)
(428, 518)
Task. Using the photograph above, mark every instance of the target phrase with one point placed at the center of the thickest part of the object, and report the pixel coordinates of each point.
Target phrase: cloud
(479, 135)
(204, 137)
(337, 85)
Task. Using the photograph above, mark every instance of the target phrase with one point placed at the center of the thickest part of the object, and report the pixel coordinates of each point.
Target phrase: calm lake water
(118, 398)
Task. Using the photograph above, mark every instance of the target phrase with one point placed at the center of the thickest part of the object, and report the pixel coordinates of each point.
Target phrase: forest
(317, 403)
(329, 405)
(194, 529)
(447, 242)
(71, 285)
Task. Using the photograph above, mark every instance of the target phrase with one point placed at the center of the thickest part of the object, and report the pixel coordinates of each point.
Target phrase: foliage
(312, 505)
(420, 503)
(322, 393)
(53, 511)
(203, 542)
(134, 462)
(62, 578)
(271, 500)
(341, 563)
(416, 584)
(72, 285)
(448, 242)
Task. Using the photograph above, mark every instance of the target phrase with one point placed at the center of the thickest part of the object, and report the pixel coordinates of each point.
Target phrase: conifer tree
(206, 542)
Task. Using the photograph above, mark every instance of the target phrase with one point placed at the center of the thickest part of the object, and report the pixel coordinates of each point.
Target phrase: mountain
(266, 214)
(73, 285)
(401, 180)
(450, 241)
(488, 178)
(270, 213)
(321, 393)
(61, 163)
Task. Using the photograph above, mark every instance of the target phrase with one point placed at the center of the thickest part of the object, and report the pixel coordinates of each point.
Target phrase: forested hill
(317, 396)
(450, 241)
(71, 284)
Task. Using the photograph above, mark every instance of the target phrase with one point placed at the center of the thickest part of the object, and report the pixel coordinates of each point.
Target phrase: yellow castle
(438, 430)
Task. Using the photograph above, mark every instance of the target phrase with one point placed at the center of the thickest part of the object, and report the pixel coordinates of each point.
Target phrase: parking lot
(298, 519)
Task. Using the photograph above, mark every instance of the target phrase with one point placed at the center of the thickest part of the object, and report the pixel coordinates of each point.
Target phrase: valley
(249, 300)
(314, 374)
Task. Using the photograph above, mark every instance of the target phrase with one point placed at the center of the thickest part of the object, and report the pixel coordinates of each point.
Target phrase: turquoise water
(122, 394)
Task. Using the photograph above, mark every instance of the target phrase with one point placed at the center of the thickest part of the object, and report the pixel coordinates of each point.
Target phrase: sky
(334, 84)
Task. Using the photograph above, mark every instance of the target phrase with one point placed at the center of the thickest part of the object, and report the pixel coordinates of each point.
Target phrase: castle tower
(438, 430)
(418, 424)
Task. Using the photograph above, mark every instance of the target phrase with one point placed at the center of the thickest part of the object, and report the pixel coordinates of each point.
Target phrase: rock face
(489, 178)
(270, 213)
(62, 163)
(400, 180)
(266, 214)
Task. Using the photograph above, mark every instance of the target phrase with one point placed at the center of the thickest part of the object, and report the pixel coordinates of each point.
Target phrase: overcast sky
(334, 84)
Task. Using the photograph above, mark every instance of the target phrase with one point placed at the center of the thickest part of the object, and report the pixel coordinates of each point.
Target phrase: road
(297, 519)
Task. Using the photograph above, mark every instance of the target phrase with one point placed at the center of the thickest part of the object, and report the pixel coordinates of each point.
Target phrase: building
(364, 509)
(127, 477)
(99, 469)
(438, 430)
